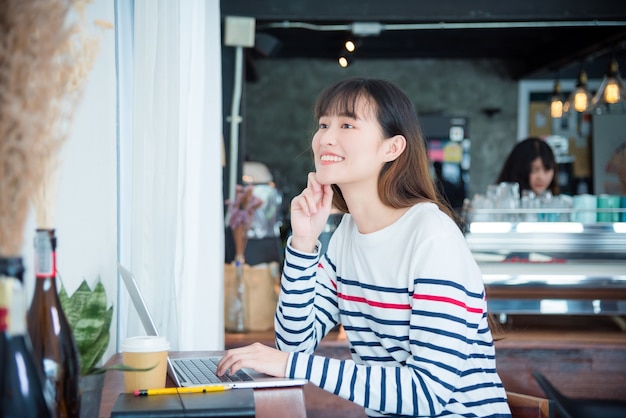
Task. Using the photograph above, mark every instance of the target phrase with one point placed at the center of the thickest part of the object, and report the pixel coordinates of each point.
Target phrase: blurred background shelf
(552, 268)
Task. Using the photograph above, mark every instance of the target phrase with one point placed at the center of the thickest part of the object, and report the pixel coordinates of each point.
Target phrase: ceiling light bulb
(581, 100)
(556, 109)
(556, 101)
(343, 62)
(614, 84)
(612, 94)
(350, 46)
(580, 97)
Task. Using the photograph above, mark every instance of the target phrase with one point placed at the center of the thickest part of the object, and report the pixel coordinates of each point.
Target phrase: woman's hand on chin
(309, 213)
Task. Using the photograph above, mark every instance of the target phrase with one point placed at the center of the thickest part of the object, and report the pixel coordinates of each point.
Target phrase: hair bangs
(342, 100)
(547, 158)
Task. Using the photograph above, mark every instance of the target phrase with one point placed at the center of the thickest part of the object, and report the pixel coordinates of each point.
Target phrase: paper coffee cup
(145, 352)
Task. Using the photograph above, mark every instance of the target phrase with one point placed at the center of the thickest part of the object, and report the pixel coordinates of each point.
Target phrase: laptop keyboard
(202, 371)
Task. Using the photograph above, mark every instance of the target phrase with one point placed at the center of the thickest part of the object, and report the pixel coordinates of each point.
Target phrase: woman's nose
(327, 136)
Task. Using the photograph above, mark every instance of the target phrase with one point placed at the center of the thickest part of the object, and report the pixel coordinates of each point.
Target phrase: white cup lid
(145, 344)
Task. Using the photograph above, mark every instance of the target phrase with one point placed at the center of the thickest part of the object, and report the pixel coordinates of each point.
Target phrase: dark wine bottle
(22, 393)
(50, 333)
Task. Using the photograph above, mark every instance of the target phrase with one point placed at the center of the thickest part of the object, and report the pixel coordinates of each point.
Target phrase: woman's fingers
(313, 197)
(327, 198)
(306, 202)
(312, 182)
(256, 356)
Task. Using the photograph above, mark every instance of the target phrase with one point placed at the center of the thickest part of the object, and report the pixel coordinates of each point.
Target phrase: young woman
(531, 163)
(397, 272)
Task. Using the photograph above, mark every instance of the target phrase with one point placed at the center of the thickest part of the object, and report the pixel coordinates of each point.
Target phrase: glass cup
(609, 205)
(143, 353)
(585, 207)
(529, 201)
(508, 198)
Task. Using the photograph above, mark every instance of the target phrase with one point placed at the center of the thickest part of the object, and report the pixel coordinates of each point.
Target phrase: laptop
(199, 371)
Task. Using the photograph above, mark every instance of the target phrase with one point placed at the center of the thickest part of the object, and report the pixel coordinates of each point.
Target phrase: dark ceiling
(533, 37)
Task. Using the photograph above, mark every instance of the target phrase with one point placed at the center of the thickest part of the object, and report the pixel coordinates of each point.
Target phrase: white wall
(86, 205)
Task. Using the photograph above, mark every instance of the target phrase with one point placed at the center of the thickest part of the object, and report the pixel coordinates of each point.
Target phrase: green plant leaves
(90, 320)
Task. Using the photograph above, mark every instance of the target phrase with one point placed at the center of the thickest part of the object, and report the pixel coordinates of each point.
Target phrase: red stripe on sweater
(374, 303)
(321, 266)
(447, 300)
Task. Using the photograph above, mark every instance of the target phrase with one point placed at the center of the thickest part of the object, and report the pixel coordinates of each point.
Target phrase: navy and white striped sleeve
(307, 304)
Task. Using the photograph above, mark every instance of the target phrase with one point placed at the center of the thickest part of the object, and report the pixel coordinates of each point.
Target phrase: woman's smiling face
(349, 148)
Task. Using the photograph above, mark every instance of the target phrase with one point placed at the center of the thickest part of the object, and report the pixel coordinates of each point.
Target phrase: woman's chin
(322, 178)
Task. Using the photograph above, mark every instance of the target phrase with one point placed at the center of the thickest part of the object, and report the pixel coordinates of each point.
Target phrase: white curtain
(171, 200)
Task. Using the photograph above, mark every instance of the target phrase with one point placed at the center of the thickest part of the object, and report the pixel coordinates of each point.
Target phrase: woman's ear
(395, 147)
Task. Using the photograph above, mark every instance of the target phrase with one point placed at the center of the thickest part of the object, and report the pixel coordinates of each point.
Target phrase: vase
(235, 318)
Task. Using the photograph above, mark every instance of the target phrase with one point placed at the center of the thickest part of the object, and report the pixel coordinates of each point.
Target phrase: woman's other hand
(256, 356)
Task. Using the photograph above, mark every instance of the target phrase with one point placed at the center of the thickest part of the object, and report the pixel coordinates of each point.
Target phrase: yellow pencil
(174, 391)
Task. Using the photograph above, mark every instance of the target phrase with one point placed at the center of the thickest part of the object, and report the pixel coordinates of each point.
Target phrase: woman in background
(531, 163)
(397, 274)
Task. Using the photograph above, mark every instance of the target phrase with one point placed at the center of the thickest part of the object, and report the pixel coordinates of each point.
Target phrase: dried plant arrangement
(45, 57)
(241, 214)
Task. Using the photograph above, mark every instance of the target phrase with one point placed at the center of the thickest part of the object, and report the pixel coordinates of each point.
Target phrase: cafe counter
(568, 268)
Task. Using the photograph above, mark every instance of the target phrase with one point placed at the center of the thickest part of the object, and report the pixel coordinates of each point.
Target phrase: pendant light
(345, 60)
(346, 56)
(611, 95)
(350, 45)
(556, 101)
(580, 99)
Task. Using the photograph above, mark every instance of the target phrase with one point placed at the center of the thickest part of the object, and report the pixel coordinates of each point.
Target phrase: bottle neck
(45, 254)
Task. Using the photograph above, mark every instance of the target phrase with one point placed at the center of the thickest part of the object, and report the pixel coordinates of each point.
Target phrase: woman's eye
(322, 126)
(347, 126)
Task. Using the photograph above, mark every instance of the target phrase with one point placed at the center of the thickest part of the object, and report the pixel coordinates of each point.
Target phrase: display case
(568, 268)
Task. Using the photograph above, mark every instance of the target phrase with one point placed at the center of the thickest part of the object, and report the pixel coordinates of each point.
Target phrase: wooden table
(287, 402)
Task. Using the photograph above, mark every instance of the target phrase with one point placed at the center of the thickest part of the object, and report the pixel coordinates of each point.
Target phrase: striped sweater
(412, 302)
